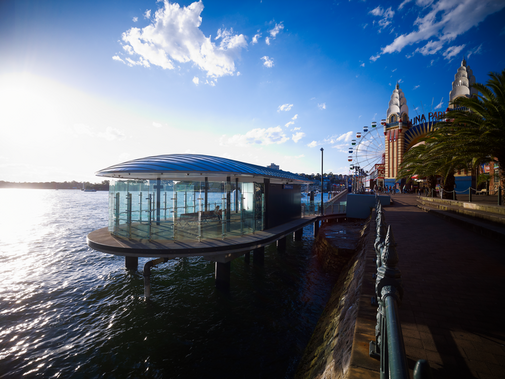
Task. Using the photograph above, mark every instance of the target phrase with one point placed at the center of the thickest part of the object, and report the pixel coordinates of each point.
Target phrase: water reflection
(69, 311)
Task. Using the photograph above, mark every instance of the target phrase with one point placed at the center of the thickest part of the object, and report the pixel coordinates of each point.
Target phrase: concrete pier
(281, 244)
(222, 275)
(259, 256)
(131, 263)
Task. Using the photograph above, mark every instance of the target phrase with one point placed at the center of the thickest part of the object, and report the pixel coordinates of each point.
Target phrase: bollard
(469, 194)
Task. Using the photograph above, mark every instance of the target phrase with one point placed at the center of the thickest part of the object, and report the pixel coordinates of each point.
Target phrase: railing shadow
(389, 346)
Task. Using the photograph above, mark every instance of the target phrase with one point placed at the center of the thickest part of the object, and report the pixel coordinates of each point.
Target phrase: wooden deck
(216, 249)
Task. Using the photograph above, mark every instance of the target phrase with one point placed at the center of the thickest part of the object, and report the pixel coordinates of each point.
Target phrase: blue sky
(84, 85)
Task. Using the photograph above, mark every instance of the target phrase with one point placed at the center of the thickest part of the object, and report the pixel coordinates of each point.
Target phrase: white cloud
(312, 144)
(362, 65)
(446, 20)
(394, 70)
(255, 38)
(117, 58)
(268, 62)
(297, 136)
(452, 51)
(321, 106)
(83, 129)
(267, 40)
(135, 19)
(276, 30)
(140, 62)
(284, 107)
(386, 15)
(147, 14)
(346, 137)
(157, 124)
(257, 137)
(196, 80)
(477, 50)
(377, 11)
(111, 134)
(373, 58)
(296, 128)
(294, 117)
(289, 123)
(416, 87)
(174, 35)
(128, 49)
(403, 4)
(430, 48)
(440, 104)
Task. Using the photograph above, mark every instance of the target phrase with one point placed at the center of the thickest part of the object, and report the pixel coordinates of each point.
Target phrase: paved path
(453, 311)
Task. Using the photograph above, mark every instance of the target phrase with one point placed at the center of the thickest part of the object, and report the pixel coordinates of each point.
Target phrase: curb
(475, 225)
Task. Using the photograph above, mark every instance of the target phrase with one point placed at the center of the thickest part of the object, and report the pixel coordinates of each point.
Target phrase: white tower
(462, 84)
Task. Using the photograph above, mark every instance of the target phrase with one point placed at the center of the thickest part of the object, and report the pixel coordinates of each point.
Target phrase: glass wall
(184, 210)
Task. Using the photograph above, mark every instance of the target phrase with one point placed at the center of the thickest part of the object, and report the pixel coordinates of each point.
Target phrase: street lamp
(322, 190)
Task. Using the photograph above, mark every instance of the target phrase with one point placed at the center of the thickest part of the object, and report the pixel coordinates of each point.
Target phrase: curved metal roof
(189, 166)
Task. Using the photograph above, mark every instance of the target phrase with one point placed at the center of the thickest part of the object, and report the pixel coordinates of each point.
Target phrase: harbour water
(71, 312)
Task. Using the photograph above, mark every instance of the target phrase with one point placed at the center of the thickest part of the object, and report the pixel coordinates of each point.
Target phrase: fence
(388, 346)
(470, 192)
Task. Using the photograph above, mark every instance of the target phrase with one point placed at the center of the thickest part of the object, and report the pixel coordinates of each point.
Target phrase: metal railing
(470, 192)
(388, 346)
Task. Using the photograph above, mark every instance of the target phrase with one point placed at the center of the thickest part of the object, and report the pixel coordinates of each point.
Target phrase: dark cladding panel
(283, 203)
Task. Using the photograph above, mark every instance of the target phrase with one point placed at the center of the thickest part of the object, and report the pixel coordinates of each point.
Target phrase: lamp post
(322, 190)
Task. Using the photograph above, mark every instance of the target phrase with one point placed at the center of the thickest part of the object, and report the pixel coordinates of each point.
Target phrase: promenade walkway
(453, 311)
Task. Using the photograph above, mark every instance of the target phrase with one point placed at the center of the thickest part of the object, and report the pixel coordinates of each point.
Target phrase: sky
(88, 84)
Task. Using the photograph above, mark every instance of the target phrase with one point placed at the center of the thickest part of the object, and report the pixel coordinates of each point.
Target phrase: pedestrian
(217, 212)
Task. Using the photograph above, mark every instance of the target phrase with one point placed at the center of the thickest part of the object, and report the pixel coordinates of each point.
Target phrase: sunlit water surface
(71, 312)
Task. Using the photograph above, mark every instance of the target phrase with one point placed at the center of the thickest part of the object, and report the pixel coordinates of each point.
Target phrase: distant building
(402, 133)
(274, 166)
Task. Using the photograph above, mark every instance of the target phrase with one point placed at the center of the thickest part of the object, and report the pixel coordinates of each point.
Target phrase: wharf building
(402, 132)
(183, 205)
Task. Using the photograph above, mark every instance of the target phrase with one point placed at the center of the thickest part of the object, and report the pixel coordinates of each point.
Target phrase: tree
(430, 158)
(477, 124)
(473, 133)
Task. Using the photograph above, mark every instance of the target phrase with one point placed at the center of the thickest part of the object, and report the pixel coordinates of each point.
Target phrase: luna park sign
(432, 116)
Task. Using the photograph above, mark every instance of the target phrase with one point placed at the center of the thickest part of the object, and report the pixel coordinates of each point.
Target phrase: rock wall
(328, 353)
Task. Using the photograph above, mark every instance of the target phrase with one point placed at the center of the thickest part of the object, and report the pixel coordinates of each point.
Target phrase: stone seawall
(338, 347)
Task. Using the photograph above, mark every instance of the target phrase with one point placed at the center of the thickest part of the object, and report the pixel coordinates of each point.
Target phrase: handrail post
(499, 195)
(149, 216)
(469, 194)
(397, 360)
(223, 217)
(129, 213)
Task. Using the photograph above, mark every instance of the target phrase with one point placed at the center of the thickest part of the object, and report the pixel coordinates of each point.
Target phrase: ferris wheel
(367, 150)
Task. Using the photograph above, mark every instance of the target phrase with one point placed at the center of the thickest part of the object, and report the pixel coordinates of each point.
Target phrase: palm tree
(430, 158)
(477, 125)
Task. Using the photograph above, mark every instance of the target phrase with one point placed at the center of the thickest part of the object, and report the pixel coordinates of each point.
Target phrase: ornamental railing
(470, 192)
(388, 346)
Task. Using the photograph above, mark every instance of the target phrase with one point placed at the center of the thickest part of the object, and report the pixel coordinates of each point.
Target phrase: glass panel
(140, 210)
